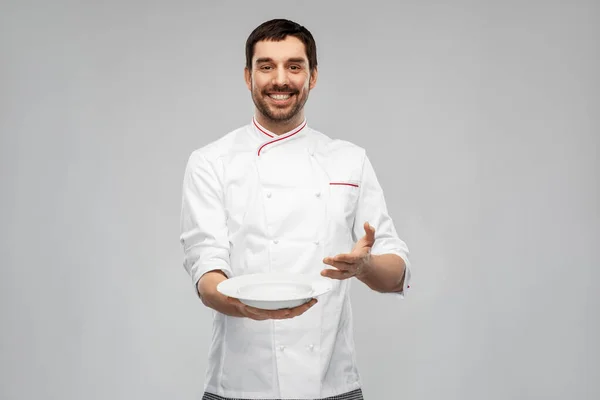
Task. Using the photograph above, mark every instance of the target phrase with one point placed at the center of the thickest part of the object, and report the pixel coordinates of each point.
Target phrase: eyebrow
(291, 60)
(297, 60)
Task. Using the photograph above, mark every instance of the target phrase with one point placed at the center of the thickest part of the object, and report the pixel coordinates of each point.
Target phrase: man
(277, 195)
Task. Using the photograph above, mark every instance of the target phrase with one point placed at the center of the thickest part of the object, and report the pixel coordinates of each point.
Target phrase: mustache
(281, 89)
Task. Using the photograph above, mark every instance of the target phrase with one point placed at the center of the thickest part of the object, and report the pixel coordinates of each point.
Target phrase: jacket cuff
(200, 271)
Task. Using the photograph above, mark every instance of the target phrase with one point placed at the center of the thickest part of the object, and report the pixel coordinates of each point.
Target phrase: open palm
(354, 263)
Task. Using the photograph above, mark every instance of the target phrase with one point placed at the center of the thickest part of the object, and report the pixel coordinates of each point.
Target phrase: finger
(342, 266)
(338, 261)
(291, 312)
(328, 260)
(253, 314)
(297, 311)
(369, 232)
(347, 258)
(250, 312)
(336, 274)
(260, 315)
(256, 313)
(306, 306)
(280, 314)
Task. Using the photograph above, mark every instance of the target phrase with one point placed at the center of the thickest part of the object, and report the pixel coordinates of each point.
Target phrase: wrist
(207, 286)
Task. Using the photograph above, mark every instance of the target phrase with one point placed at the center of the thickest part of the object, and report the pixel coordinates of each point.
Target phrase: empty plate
(273, 291)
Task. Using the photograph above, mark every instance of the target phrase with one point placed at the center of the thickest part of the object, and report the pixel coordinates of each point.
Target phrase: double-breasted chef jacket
(256, 202)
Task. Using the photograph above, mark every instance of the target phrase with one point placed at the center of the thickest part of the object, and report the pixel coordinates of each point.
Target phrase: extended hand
(354, 263)
(258, 314)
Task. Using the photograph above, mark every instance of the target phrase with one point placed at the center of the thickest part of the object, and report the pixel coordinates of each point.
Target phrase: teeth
(280, 96)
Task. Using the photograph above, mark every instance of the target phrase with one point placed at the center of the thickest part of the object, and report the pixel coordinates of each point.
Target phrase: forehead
(290, 47)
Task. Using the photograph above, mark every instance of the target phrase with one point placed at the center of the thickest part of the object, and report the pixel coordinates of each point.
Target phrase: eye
(295, 67)
(265, 67)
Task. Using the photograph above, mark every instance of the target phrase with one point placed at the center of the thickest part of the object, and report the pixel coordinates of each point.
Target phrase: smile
(280, 96)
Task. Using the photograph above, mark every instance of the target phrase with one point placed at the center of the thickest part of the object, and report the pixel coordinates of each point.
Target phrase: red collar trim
(260, 128)
(271, 135)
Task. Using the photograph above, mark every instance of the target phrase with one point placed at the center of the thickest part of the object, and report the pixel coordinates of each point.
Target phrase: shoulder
(213, 151)
(338, 149)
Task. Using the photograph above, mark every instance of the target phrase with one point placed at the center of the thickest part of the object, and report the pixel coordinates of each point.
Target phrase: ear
(248, 78)
(313, 78)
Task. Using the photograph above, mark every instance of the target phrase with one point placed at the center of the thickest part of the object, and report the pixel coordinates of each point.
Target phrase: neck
(279, 127)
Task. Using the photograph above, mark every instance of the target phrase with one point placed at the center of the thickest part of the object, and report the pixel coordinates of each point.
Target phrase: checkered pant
(353, 395)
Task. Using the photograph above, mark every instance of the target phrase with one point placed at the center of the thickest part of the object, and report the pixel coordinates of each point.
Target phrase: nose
(280, 78)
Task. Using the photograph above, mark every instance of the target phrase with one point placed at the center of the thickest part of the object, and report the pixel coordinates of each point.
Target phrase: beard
(275, 113)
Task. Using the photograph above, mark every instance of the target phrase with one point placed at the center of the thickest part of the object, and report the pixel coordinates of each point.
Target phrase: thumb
(369, 232)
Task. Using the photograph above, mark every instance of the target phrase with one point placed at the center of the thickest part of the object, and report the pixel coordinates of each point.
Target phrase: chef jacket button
(275, 241)
(317, 242)
(311, 347)
(281, 348)
(269, 195)
(318, 194)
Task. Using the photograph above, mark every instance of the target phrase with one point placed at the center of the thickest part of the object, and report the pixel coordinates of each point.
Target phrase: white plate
(274, 291)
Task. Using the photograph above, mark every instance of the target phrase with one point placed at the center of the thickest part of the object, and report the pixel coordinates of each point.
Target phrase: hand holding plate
(258, 314)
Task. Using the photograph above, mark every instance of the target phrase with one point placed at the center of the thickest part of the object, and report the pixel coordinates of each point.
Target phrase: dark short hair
(279, 29)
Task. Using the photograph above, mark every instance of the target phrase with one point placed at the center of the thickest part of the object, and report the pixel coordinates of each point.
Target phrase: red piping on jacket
(260, 129)
(343, 183)
(282, 138)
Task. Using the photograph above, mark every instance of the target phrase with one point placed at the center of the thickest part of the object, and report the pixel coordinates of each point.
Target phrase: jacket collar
(268, 137)
(265, 134)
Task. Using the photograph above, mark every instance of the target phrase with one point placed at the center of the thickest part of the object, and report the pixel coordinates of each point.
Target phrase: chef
(277, 195)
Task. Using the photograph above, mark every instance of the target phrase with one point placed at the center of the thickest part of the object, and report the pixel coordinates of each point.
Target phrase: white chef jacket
(256, 202)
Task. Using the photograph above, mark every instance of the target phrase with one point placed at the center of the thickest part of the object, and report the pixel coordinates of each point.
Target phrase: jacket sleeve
(372, 208)
(204, 235)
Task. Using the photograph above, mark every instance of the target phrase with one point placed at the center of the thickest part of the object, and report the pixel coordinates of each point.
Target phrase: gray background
(481, 119)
